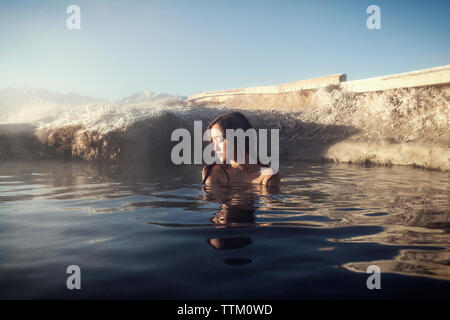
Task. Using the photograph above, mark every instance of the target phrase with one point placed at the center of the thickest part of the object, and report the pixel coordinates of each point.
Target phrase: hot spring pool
(153, 233)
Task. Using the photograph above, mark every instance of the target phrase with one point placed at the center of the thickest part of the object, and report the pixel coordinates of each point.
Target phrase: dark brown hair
(230, 120)
(233, 120)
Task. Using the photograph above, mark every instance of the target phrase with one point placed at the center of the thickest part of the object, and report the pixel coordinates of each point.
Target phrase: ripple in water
(140, 232)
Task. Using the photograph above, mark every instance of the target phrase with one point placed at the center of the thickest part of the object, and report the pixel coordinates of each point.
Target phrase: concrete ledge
(315, 83)
(420, 78)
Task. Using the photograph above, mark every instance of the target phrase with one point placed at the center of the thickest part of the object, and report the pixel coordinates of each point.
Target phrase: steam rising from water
(404, 126)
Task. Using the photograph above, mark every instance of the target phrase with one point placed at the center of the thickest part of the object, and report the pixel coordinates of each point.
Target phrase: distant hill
(28, 105)
(12, 99)
(148, 96)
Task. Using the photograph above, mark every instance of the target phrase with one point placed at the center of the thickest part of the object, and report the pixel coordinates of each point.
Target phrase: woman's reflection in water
(238, 205)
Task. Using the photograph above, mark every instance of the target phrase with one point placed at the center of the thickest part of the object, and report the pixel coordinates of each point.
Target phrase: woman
(233, 172)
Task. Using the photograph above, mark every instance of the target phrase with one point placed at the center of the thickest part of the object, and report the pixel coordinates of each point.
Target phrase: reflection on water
(323, 218)
(237, 209)
(411, 215)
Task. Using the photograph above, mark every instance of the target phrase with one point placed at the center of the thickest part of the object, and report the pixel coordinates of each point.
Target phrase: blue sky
(185, 47)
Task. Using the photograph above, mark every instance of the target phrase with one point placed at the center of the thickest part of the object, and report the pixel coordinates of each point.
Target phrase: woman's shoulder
(214, 173)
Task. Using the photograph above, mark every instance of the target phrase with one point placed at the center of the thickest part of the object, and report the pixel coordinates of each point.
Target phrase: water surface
(153, 232)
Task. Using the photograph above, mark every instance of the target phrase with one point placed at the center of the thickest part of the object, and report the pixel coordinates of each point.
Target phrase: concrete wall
(420, 78)
(224, 95)
(289, 91)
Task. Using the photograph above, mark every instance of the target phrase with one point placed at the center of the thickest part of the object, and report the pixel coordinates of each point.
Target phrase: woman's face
(218, 142)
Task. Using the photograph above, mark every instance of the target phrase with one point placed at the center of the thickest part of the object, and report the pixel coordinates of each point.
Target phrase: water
(152, 232)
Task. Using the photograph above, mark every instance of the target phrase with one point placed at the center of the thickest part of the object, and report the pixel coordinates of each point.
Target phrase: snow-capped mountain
(12, 99)
(31, 105)
(147, 96)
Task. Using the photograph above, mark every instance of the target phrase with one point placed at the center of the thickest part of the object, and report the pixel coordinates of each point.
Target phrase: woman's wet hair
(233, 120)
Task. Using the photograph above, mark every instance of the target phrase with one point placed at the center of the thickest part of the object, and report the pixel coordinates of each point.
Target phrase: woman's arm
(269, 178)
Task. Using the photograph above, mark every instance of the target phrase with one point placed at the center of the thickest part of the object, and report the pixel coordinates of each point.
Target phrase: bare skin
(237, 173)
